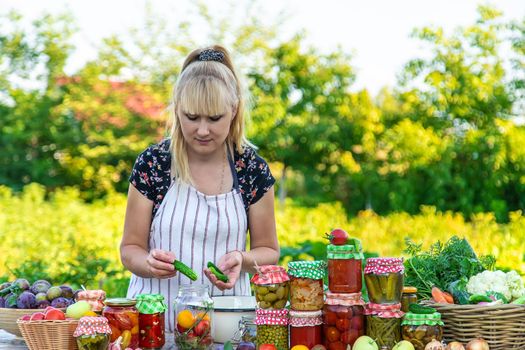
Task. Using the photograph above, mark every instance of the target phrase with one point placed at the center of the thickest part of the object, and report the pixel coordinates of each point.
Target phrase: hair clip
(211, 55)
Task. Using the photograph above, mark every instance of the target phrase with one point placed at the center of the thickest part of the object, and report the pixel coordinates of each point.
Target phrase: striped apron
(198, 228)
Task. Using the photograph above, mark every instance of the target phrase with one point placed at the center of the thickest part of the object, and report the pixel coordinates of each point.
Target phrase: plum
(26, 300)
(42, 304)
(2, 302)
(5, 285)
(246, 346)
(21, 283)
(53, 293)
(67, 292)
(60, 302)
(40, 286)
(40, 296)
(10, 300)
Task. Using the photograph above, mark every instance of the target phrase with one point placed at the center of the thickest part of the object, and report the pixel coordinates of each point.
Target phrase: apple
(403, 345)
(78, 309)
(25, 318)
(55, 314)
(37, 316)
(365, 343)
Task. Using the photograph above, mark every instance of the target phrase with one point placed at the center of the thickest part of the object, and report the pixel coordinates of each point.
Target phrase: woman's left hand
(230, 264)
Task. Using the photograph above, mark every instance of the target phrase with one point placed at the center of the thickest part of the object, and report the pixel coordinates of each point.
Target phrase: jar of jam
(384, 280)
(151, 321)
(92, 333)
(383, 323)
(408, 297)
(343, 318)
(123, 320)
(271, 287)
(95, 298)
(306, 328)
(272, 327)
(193, 318)
(421, 329)
(345, 267)
(306, 285)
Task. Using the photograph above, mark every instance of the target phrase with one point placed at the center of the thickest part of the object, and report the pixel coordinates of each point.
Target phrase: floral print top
(151, 174)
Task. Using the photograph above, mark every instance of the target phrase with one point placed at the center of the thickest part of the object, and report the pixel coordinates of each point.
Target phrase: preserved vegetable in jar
(306, 285)
(383, 323)
(421, 329)
(345, 267)
(272, 327)
(408, 297)
(123, 319)
(92, 333)
(384, 280)
(271, 287)
(306, 328)
(151, 309)
(343, 319)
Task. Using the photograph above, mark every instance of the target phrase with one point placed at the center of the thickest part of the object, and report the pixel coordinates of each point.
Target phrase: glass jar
(92, 333)
(408, 297)
(193, 315)
(271, 287)
(343, 318)
(95, 298)
(384, 280)
(272, 327)
(151, 309)
(421, 329)
(123, 319)
(306, 328)
(345, 267)
(383, 323)
(306, 285)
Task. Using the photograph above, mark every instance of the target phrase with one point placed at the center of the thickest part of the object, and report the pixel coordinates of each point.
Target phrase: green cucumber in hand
(185, 270)
(217, 272)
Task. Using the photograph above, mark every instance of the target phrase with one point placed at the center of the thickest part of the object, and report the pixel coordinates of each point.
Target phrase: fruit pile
(193, 330)
(20, 294)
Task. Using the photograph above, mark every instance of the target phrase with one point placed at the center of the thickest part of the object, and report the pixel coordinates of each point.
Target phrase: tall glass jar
(151, 321)
(421, 329)
(345, 267)
(271, 287)
(306, 328)
(306, 285)
(383, 323)
(272, 327)
(343, 316)
(193, 317)
(384, 280)
(92, 333)
(408, 297)
(123, 319)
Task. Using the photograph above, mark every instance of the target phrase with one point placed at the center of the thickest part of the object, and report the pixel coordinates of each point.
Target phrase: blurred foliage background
(440, 153)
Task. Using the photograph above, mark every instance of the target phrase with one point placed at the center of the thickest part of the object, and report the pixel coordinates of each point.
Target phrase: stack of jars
(384, 283)
(271, 285)
(343, 312)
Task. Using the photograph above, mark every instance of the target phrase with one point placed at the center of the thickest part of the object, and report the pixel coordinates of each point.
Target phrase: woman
(194, 196)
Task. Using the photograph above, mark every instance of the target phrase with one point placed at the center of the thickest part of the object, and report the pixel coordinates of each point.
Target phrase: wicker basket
(8, 319)
(502, 326)
(49, 335)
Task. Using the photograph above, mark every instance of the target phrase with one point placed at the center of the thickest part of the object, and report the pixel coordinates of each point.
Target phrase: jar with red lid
(306, 328)
(123, 319)
(384, 280)
(272, 327)
(343, 318)
(92, 333)
(306, 285)
(151, 321)
(345, 267)
(95, 298)
(383, 323)
(271, 286)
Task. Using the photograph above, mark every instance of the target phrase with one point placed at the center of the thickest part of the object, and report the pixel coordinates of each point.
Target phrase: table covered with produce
(446, 297)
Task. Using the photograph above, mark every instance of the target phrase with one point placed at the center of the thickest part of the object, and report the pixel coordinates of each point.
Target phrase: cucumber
(478, 298)
(420, 309)
(185, 270)
(217, 272)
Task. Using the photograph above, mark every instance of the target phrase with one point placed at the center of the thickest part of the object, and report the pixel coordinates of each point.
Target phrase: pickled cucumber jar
(421, 329)
(384, 280)
(151, 321)
(271, 287)
(383, 323)
(123, 318)
(92, 333)
(345, 267)
(408, 297)
(272, 327)
(306, 285)
(306, 328)
(343, 318)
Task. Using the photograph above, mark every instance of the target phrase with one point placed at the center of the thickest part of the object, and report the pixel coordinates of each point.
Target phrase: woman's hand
(230, 264)
(160, 263)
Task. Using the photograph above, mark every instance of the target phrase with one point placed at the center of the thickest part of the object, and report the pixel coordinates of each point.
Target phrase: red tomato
(267, 347)
(342, 324)
(181, 329)
(357, 310)
(202, 328)
(338, 236)
(332, 334)
(350, 336)
(330, 318)
(350, 313)
(357, 323)
(336, 346)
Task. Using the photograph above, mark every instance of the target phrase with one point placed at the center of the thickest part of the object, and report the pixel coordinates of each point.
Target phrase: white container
(227, 314)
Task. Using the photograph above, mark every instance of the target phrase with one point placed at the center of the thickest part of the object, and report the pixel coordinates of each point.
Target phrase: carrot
(449, 297)
(439, 296)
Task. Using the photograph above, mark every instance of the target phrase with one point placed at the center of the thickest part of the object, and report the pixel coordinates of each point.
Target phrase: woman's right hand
(160, 263)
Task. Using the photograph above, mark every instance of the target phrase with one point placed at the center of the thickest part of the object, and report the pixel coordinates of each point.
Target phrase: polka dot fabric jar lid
(92, 325)
(271, 317)
(384, 265)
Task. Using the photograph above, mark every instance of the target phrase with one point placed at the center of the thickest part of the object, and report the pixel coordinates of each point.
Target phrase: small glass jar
(306, 285)
(383, 323)
(408, 297)
(123, 319)
(384, 280)
(95, 298)
(247, 330)
(271, 287)
(272, 327)
(92, 333)
(151, 321)
(193, 317)
(421, 329)
(345, 267)
(306, 328)
(343, 318)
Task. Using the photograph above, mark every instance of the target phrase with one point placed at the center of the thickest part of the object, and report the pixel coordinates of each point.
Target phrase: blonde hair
(205, 88)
